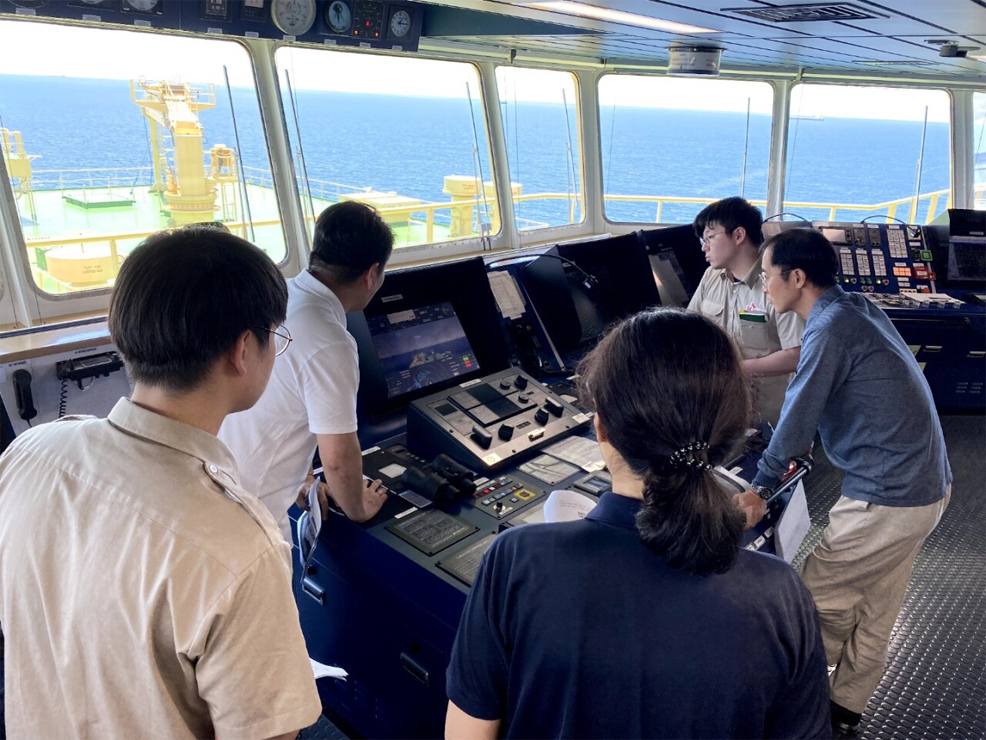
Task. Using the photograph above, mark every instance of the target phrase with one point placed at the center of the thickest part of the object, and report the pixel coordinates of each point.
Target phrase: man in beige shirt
(143, 592)
(731, 294)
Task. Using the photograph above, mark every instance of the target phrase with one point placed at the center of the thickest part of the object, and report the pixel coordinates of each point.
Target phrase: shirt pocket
(754, 335)
(715, 311)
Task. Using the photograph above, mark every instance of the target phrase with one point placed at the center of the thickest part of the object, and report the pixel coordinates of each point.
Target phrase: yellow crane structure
(18, 164)
(189, 191)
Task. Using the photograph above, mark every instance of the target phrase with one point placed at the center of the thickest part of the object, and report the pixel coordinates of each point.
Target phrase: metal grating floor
(934, 685)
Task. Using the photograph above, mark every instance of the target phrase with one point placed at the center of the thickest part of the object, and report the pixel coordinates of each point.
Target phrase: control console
(490, 422)
(881, 258)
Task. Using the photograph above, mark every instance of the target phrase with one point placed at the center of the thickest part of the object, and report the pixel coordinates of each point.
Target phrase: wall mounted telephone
(23, 395)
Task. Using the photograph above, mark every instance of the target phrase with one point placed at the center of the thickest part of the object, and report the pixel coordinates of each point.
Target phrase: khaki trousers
(858, 576)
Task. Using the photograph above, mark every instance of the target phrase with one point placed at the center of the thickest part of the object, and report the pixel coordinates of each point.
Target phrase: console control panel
(490, 422)
(881, 258)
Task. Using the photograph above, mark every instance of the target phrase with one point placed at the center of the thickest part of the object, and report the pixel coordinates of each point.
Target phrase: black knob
(505, 384)
(481, 437)
(541, 415)
(498, 507)
(506, 431)
(523, 397)
(554, 406)
(521, 382)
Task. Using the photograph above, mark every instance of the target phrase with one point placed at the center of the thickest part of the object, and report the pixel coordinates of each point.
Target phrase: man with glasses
(860, 387)
(732, 294)
(311, 399)
(143, 590)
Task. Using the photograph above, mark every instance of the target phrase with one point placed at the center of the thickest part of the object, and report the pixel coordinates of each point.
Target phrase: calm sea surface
(408, 145)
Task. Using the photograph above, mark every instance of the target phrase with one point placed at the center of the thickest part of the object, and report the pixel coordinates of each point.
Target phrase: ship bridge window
(405, 135)
(856, 151)
(540, 114)
(138, 133)
(670, 146)
(979, 148)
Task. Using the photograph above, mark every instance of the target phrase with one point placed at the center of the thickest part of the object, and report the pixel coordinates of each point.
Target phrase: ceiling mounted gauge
(338, 17)
(400, 23)
(31, 4)
(293, 17)
(142, 6)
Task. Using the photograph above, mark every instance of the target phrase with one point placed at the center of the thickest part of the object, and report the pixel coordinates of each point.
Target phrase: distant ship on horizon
(816, 117)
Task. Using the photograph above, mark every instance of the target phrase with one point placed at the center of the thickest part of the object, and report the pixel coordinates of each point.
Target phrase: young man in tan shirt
(143, 591)
(732, 294)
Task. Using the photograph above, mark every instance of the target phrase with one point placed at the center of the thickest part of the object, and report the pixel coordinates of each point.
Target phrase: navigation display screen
(420, 347)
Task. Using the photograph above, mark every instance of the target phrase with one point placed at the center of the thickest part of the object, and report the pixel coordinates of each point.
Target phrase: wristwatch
(764, 492)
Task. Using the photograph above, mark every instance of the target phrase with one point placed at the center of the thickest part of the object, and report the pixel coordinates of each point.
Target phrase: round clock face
(400, 23)
(338, 17)
(293, 17)
(144, 6)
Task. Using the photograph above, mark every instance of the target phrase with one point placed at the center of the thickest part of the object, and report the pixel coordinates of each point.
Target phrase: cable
(589, 280)
(787, 213)
(883, 215)
(63, 398)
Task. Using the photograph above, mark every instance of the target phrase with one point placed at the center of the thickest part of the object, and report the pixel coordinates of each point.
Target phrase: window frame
(87, 302)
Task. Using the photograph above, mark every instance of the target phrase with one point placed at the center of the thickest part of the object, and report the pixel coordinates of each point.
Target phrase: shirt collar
(217, 461)
(752, 276)
(825, 300)
(615, 509)
(311, 284)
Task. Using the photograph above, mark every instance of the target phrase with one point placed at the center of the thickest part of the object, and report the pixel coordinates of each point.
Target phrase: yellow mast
(190, 194)
(18, 164)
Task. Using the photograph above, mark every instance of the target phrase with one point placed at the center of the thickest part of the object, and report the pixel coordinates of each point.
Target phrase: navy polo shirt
(578, 630)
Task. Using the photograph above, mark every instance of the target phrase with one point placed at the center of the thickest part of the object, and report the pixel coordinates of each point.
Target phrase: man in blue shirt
(860, 387)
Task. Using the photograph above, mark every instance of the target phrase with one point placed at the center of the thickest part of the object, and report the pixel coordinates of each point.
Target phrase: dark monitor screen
(420, 347)
(966, 260)
(682, 249)
(579, 288)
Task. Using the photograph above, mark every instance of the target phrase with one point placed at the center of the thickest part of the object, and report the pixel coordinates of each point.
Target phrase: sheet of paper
(549, 469)
(507, 294)
(567, 506)
(579, 451)
(328, 671)
(793, 525)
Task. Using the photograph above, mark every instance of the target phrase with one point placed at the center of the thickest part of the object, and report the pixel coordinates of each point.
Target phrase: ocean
(408, 145)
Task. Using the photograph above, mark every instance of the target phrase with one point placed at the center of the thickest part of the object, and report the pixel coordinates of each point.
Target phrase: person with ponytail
(645, 619)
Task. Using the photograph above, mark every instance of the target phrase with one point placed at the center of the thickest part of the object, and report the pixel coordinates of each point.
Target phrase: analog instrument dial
(400, 24)
(293, 17)
(338, 16)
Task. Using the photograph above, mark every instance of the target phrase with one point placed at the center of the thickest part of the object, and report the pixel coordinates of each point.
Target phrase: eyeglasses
(764, 276)
(282, 338)
(707, 240)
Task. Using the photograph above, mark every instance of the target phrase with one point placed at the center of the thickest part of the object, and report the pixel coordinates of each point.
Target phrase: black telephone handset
(23, 395)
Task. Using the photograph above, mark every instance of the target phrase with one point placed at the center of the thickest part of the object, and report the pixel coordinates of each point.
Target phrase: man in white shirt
(732, 294)
(311, 398)
(143, 591)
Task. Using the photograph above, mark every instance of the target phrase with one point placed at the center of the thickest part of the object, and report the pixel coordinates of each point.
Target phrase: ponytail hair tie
(692, 455)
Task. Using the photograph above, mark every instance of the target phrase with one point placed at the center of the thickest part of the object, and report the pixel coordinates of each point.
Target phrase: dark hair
(662, 380)
(806, 250)
(350, 237)
(731, 213)
(184, 296)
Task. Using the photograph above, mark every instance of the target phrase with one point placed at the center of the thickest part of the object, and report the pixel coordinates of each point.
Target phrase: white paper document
(579, 451)
(567, 506)
(328, 671)
(793, 525)
(507, 295)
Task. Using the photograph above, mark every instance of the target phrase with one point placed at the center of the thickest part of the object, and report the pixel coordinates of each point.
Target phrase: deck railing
(423, 215)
